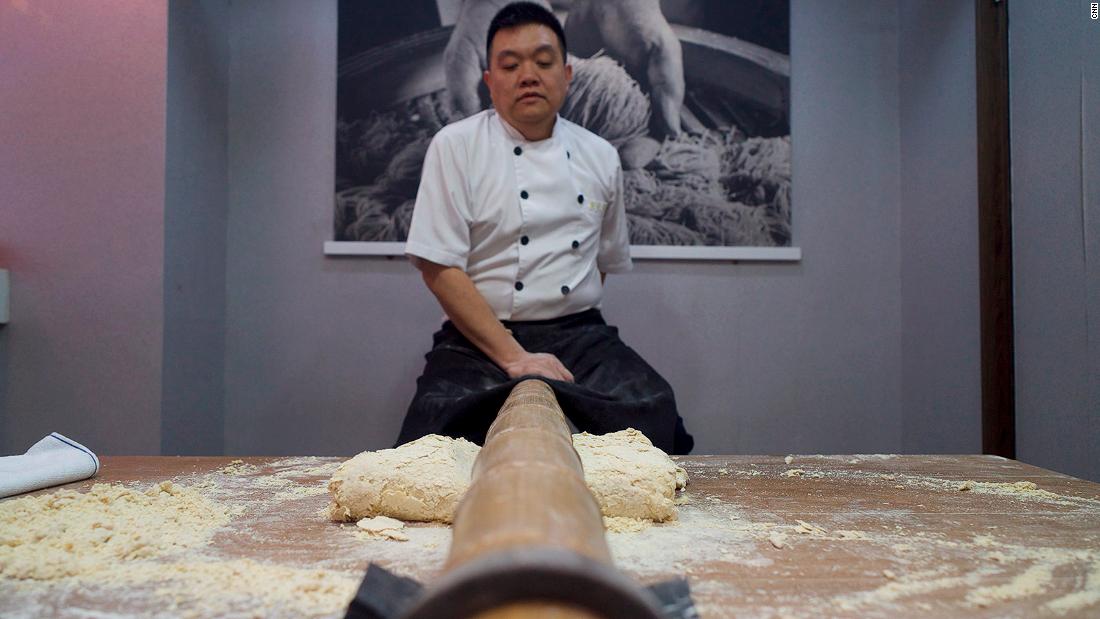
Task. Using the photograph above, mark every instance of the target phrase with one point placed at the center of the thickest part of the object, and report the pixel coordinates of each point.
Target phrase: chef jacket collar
(517, 138)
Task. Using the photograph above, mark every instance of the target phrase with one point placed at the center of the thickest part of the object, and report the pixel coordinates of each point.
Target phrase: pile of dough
(424, 480)
(421, 481)
(629, 477)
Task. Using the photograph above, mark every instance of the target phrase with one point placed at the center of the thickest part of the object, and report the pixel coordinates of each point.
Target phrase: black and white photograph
(694, 95)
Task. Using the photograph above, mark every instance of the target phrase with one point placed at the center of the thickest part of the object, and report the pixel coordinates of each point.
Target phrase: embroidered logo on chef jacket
(558, 240)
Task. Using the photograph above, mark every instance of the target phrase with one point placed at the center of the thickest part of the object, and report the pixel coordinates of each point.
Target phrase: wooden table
(758, 536)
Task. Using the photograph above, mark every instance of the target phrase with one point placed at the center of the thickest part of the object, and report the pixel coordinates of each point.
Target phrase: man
(633, 32)
(464, 57)
(518, 218)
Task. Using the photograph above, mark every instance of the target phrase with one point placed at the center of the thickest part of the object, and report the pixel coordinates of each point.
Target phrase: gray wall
(196, 205)
(941, 322)
(1055, 97)
(322, 354)
(869, 344)
(804, 357)
(82, 222)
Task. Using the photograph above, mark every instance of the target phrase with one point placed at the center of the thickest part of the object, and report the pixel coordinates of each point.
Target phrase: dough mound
(421, 481)
(629, 477)
(424, 480)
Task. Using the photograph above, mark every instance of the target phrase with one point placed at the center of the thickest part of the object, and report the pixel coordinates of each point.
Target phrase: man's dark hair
(521, 14)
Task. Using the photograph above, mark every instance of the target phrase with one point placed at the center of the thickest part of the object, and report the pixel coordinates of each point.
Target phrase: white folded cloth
(53, 460)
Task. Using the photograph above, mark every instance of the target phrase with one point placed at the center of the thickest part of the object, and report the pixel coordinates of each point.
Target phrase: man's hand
(635, 33)
(473, 317)
(540, 364)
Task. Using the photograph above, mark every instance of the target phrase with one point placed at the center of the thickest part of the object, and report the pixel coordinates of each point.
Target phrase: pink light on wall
(82, 138)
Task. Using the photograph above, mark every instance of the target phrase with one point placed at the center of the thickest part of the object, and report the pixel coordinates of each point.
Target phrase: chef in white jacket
(518, 219)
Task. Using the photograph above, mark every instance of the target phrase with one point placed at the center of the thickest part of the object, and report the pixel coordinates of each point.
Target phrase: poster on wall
(694, 94)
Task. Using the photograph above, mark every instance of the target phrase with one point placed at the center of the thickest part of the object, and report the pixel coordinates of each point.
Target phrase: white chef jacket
(531, 223)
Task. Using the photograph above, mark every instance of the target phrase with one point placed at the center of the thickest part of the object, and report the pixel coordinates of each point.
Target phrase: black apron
(462, 390)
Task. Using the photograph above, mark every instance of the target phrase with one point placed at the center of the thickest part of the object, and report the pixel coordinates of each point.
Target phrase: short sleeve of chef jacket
(440, 228)
(614, 251)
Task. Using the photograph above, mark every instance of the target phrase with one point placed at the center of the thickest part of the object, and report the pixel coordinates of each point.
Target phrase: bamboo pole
(528, 490)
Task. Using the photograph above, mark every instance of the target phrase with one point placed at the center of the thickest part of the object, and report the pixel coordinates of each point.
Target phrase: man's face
(528, 78)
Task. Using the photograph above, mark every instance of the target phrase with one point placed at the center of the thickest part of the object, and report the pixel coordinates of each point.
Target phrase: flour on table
(238, 467)
(1033, 581)
(383, 527)
(68, 533)
(778, 540)
(618, 524)
(805, 528)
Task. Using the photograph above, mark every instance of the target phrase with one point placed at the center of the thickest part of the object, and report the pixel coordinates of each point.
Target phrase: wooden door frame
(995, 230)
